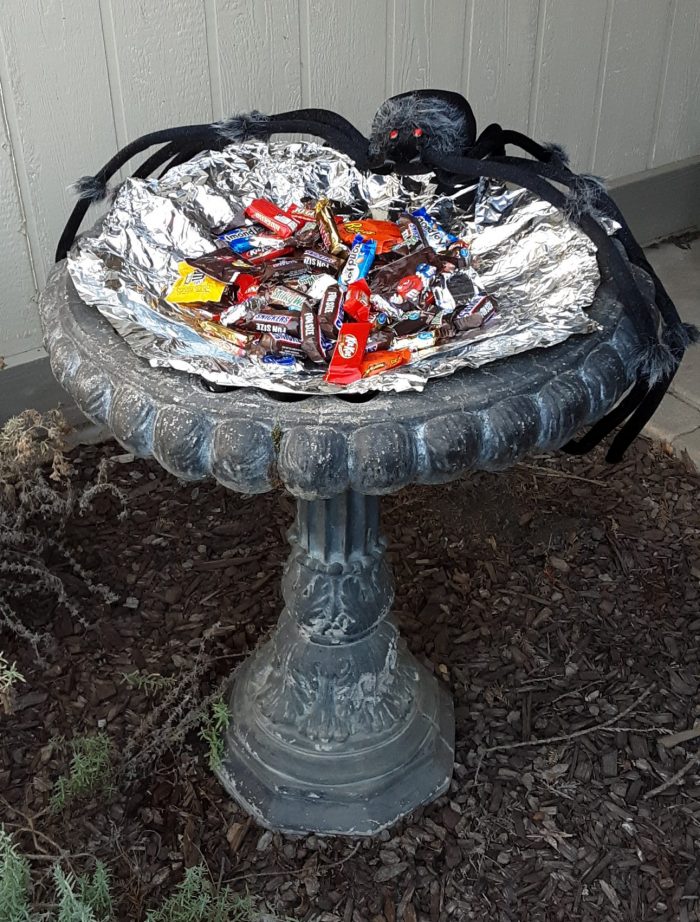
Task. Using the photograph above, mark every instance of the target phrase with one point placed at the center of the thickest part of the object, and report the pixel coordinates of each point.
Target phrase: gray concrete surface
(677, 421)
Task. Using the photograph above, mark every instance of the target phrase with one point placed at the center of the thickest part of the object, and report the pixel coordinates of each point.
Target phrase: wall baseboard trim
(32, 386)
(661, 202)
(657, 203)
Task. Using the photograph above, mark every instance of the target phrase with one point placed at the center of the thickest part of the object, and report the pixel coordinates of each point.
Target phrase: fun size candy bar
(359, 261)
(475, 314)
(288, 297)
(223, 265)
(311, 336)
(348, 354)
(318, 259)
(241, 239)
(330, 311)
(264, 254)
(193, 285)
(277, 322)
(381, 361)
(357, 300)
(273, 218)
(328, 229)
(385, 234)
(433, 234)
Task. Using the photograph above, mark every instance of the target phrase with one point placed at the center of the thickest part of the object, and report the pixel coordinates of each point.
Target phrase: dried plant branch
(674, 779)
(550, 740)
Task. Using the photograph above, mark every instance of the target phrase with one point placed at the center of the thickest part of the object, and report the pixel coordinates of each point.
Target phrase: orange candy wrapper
(378, 362)
(385, 233)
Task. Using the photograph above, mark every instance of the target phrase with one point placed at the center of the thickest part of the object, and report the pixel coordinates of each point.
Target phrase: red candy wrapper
(247, 285)
(301, 213)
(269, 215)
(357, 300)
(346, 363)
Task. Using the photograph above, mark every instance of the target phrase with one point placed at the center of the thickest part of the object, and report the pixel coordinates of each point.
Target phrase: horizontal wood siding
(616, 81)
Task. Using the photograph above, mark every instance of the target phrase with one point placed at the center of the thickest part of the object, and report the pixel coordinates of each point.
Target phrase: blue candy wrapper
(359, 261)
(435, 235)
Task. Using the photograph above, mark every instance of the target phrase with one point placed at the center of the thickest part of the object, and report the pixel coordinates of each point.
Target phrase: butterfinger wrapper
(193, 285)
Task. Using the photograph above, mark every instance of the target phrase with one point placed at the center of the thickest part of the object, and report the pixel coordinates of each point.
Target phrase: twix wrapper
(328, 228)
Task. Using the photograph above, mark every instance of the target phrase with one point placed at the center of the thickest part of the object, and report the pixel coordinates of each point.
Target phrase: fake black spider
(435, 131)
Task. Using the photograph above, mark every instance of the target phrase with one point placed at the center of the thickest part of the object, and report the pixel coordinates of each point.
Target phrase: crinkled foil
(539, 266)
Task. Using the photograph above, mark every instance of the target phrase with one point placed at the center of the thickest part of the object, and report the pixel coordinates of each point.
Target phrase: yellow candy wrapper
(193, 285)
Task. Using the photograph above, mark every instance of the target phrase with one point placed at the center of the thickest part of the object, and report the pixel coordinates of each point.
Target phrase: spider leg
(179, 144)
(642, 401)
(93, 188)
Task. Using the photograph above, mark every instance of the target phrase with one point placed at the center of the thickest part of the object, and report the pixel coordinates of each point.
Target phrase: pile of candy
(349, 294)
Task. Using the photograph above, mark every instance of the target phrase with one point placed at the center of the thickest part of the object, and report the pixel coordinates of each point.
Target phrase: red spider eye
(393, 134)
(417, 132)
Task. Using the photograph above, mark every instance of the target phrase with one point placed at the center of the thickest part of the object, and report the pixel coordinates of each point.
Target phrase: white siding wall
(616, 81)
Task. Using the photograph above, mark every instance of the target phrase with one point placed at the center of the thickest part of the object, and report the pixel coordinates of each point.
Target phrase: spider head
(408, 125)
(403, 143)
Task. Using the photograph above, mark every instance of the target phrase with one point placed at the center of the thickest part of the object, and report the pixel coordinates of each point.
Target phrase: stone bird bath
(336, 727)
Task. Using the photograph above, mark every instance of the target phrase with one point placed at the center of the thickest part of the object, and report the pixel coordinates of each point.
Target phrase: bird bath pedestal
(336, 727)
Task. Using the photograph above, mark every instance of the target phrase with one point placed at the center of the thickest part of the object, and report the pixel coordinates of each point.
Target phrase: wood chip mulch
(560, 599)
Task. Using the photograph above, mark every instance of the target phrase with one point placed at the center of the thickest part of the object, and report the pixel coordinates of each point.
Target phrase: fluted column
(336, 727)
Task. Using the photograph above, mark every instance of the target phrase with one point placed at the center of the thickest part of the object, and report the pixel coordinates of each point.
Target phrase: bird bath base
(336, 727)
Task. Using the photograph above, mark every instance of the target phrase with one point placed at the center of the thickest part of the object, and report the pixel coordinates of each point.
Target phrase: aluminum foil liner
(540, 267)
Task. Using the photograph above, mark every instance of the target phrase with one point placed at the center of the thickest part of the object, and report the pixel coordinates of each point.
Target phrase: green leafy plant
(151, 682)
(91, 770)
(197, 900)
(9, 677)
(85, 898)
(14, 881)
(213, 728)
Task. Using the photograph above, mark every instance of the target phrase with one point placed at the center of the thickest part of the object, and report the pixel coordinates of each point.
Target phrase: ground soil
(551, 598)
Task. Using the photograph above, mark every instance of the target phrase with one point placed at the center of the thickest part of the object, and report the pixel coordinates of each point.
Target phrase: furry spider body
(435, 131)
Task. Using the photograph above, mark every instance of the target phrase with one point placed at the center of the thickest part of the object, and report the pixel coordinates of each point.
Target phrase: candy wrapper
(302, 274)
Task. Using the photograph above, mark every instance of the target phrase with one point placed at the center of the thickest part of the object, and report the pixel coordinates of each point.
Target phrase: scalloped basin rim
(318, 446)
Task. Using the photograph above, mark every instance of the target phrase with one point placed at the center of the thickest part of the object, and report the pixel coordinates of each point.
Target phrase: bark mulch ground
(560, 601)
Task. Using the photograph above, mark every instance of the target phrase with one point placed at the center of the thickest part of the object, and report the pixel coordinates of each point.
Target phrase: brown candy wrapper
(277, 322)
(287, 297)
(475, 314)
(280, 344)
(222, 265)
(385, 280)
(330, 312)
(319, 259)
(311, 341)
